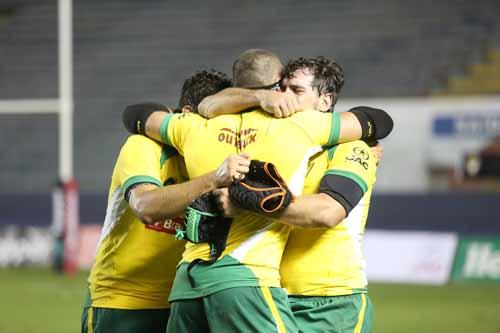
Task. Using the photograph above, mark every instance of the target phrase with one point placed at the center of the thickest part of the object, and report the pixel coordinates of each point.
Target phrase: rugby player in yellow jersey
(246, 278)
(322, 269)
(137, 255)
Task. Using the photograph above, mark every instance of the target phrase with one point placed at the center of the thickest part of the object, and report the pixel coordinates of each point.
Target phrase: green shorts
(335, 314)
(106, 320)
(239, 309)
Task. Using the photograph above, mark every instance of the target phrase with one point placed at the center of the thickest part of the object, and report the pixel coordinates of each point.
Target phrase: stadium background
(433, 240)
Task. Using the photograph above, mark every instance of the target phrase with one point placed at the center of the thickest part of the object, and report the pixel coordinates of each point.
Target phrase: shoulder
(353, 157)
(185, 118)
(358, 148)
(313, 121)
(140, 146)
(137, 140)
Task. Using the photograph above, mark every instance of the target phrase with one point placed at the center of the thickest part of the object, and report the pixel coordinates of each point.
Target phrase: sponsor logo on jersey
(360, 156)
(168, 226)
(239, 139)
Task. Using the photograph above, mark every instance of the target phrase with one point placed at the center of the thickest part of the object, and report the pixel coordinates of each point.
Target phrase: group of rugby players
(297, 270)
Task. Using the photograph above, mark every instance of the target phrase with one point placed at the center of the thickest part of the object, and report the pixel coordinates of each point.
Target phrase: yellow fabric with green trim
(135, 265)
(288, 143)
(329, 262)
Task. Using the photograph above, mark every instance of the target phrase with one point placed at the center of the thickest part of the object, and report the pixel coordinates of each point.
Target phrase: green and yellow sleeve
(323, 128)
(138, 162)
(354, 160)
(175, 128)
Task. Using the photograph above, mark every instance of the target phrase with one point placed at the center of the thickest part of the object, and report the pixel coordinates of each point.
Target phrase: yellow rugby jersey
(135, 263)
(288, 142)
(255, 244)
(329, 262)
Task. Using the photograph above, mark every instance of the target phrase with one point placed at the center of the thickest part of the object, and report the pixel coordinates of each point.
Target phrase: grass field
(39, 301)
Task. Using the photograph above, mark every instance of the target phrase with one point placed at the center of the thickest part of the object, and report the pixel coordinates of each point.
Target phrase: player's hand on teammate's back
(234, 167)
(224, 202)
(279, 104)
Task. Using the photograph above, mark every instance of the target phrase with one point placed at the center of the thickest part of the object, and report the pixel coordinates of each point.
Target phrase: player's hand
(224, 203)
(234, 167)
(279, 104)
(377, 150)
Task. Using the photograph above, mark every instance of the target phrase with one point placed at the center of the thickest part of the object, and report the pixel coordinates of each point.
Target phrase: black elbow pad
(134, 116)
(376, 124)
(344, 190)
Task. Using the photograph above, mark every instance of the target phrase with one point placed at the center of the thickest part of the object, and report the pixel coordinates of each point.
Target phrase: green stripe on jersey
(331, 152)
(349, 175)
(139, 179)
(335, 130)
(166, 153)
(164, 129)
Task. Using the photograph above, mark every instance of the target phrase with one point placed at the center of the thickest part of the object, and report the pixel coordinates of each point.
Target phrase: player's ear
(325, 102)
(187, 109)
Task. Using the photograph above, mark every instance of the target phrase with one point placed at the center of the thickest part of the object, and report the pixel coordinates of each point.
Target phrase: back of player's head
(256, 68)
(328, 75)
(202, 84)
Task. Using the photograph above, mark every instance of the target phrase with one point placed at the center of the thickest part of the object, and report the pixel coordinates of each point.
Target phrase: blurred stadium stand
(128, 51)
(479, 78)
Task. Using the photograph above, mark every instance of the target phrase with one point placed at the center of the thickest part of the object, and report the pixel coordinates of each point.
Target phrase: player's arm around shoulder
(365, 123)
(172, 128)
(228, 101)
(360, 123)
(159, 123)
(235, 100)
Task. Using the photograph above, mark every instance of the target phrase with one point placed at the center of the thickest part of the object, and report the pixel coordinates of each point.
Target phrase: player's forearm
(350, 129)
(153, 125)
(170, 201)
(228, 101)
(313, 211)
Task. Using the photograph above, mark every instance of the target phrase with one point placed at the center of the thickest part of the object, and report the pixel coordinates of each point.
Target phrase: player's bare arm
(313, 211)
(360, 123)
(336, 198)
(306, 211)
(365, 123)
(234, 100)
(279, 104)
(152, 204)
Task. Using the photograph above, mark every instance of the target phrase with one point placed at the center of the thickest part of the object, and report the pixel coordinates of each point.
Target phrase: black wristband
(134, 116)
(376, 124)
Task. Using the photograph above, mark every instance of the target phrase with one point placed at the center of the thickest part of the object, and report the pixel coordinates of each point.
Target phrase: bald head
(256, 68)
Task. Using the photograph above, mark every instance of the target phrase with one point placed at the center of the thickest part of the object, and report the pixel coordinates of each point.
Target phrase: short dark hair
(202, 84)
(256, 68)
(328, 75)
